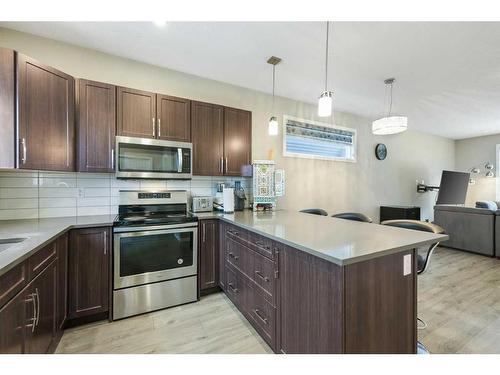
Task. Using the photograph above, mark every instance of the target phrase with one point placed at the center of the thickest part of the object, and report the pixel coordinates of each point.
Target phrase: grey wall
(475, 152)
(334, 186)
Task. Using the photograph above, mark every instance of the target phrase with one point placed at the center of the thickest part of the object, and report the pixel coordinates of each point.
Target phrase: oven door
(153, 158)
(143, 257)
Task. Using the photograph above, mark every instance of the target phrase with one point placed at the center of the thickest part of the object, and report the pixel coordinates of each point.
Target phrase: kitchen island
(315, 284)
(306, 283)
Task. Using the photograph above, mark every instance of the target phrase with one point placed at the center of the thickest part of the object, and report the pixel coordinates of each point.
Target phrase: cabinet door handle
(32, 319)
(159, 127)
(235, 257)
(265, 278)
(105, 240)
(221, 165)
(113, 159)
(231, 285)
(154, 128)
(226, 165)
(204, 232)
(24, 157)
(264, 320)
(37, 306)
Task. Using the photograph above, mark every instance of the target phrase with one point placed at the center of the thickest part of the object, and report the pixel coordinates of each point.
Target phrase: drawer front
(232, 289)
(263, 316)
(262, 245)
(235, 233)
(256, 242)
(240, 257)
(41, 259)
(264, 274)
(12, 282)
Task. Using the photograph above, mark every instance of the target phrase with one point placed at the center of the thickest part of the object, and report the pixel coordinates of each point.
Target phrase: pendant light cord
(326, 56)
(274, 74)
(390, 101)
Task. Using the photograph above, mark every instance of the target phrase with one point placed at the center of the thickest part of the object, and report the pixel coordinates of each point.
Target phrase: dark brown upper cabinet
(174, 118)
(222, 139)
(7, 108)
(136, 113)
(237, 140)
(88, 272)
(148, 115)
(46, 116)
(207, 132)
(96, 124)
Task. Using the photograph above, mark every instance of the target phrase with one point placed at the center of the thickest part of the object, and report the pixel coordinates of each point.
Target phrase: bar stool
(315, 211)
(422, 262)
(355, 216)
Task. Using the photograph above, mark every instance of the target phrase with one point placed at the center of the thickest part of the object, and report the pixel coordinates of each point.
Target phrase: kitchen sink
(5, 243)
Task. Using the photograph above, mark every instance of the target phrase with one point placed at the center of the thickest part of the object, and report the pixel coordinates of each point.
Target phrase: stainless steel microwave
(153, 158)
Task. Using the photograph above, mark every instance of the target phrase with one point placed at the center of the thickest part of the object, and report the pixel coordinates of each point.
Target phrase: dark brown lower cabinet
(88, 272)
(41, 292)
(12, 325)
(209, 257)
(302, 304)
(62, 281)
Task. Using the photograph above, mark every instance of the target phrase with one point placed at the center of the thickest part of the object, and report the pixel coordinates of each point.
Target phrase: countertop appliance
(202, 203)
(153, 158)
(155, 252)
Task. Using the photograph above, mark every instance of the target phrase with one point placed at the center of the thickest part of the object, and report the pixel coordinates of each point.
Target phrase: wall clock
(381, 151)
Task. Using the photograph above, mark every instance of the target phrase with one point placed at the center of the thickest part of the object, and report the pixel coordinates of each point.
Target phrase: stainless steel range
(155, 252)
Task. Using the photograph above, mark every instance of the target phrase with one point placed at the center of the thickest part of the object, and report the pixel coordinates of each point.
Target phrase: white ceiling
(448, 73)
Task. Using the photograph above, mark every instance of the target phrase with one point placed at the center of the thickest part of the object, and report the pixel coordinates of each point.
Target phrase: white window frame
(318, 157)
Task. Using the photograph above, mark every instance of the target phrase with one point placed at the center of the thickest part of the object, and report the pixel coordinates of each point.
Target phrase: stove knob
(180, 261)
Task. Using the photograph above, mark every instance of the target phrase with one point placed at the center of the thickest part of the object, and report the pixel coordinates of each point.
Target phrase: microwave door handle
(179, 157)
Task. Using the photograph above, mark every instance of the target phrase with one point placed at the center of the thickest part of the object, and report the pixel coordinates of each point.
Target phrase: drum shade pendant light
(390, 124)
(326, 98)
(273, 121)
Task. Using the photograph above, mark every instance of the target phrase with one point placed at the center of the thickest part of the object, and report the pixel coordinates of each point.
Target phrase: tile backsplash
(40, 194)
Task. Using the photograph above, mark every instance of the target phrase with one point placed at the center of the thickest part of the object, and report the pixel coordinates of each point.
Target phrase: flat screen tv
(453, 187)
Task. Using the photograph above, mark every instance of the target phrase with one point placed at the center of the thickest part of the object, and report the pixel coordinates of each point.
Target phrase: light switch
(407, 265)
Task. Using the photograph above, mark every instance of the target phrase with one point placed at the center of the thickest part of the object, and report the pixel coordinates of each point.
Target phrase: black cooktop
(153, 215)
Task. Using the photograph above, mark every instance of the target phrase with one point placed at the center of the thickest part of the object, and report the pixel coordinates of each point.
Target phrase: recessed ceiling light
(160, 23)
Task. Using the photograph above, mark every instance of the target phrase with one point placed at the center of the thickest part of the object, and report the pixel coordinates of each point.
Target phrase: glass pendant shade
(325, 104)
(390, 125)
(273, 126)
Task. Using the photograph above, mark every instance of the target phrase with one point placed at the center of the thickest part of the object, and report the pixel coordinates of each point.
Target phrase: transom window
(315, 140)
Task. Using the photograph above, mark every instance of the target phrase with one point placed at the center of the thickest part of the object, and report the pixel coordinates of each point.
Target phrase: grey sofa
(472, 229)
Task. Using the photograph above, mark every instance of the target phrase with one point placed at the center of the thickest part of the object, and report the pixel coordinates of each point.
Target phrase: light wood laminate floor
(458, 297)
(212, 325)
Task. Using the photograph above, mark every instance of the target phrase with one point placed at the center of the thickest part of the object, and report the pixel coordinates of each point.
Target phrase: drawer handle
(233, 232)
(235, 290)
(261, 244)
(257, 312)
(234, 256)
(265, 278)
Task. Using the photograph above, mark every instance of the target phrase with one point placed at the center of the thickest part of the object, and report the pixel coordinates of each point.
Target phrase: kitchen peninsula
(306, 283)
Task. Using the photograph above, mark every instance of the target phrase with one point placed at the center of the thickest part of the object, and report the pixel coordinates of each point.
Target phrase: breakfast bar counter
(335, 240)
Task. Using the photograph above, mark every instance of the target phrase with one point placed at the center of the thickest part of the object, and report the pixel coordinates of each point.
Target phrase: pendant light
(273, 121)
(390, 124)
(326, 98)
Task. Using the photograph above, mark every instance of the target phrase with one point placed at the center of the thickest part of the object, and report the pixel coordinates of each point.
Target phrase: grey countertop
(38, 233)
(336, 240)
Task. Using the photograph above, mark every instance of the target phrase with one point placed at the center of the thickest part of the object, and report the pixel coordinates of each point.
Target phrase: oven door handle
(156, 229)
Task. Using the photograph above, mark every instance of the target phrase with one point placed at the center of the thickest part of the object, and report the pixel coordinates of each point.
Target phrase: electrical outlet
(81, 193)
(407, 265)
